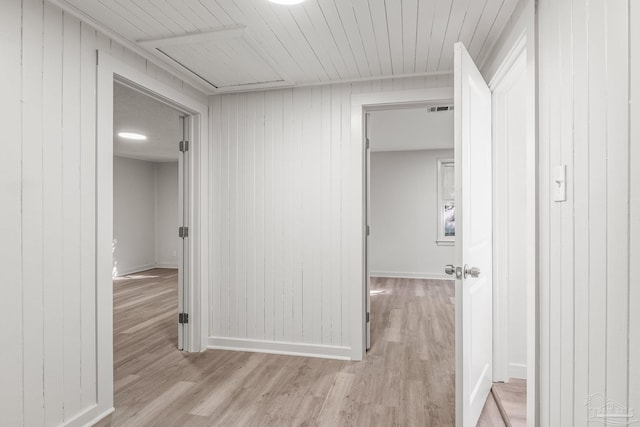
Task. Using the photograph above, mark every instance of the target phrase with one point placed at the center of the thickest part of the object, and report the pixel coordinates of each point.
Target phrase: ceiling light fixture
(132, 135)
(286, 2)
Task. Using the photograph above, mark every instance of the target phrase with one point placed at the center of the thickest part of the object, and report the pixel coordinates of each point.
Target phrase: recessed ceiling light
(286, 2)
(132, 135)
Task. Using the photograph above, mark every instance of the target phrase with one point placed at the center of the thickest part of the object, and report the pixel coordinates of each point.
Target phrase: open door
(183, 234)
(367, 195)
(473, 239)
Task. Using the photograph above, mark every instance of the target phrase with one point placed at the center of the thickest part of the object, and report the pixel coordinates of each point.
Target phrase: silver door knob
(471, 271)
(450, 269)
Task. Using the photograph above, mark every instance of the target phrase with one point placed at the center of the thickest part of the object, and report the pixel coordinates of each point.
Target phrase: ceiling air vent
(437, 108)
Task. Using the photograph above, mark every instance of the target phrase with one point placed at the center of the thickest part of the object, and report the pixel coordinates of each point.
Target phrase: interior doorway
(149, 204)
(364, 103)
(409, 186)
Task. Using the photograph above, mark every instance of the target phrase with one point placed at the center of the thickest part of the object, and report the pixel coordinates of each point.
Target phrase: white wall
(589, 325)
(134, 212)
(588, 330)
(404, 215)
(410, 129)
(166, 221)
(47, 220)
(281, 192)
(145, 215)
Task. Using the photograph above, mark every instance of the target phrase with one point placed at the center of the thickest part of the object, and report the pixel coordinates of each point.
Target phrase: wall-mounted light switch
(559, 183)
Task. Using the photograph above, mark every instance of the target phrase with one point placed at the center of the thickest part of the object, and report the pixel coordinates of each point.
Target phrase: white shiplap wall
(47, 220)
(280, 171)
(589, 326)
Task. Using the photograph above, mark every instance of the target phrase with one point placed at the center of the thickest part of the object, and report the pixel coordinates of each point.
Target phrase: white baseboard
(89, 417)
(136, 269)
(140, 268)
(278, 347)
(165, 265)
(404, 275)
(518, 370)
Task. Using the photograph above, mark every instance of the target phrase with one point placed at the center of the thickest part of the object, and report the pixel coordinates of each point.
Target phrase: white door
(472, 113)
(367, 163)
(183, 234)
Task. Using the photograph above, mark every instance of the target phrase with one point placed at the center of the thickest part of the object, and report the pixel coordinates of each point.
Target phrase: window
(446, 202)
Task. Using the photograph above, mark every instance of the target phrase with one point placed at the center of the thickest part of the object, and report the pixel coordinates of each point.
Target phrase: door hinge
(183, 318)
(183, 232)
(368, 230)
(368, 144)
(184, 146)
(368, 317)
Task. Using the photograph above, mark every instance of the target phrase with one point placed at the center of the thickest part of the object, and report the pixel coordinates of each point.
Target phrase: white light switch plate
(559, 183)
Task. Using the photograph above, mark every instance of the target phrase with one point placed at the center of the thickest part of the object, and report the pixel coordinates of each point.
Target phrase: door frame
(109, 71)
(525, 39)
(360, 104)
(503, 78)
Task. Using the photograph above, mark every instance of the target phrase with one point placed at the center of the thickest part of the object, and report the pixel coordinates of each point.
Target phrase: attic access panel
(225, 59)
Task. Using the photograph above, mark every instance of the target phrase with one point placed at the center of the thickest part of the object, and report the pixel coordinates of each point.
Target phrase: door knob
(471, 271)
(450, 269)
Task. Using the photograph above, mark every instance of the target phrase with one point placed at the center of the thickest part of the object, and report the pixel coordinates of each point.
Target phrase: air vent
(437, 108)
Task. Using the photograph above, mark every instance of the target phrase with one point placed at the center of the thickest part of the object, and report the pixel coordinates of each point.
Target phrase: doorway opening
(149, 203)
(409, 238)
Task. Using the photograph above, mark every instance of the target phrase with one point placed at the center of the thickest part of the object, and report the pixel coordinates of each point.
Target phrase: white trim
(217, 34)
(406, 275)
(279, 347)
(136, 269)
(518, 370)
(166, 265)
(109, 70)
(145, 267)
(501, 250)
(88, 417)
(355, 254)
(252, 88)
(527, 40)
(512, 57)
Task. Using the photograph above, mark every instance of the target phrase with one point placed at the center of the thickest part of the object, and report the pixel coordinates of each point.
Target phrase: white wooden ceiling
(315, 42)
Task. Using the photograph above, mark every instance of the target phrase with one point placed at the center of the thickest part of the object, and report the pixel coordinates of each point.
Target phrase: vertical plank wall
(47, 199)
(589, 326)
(280, 170)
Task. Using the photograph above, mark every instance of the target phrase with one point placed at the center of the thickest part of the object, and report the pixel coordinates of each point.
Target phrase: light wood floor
(407, 378)
(511, 399)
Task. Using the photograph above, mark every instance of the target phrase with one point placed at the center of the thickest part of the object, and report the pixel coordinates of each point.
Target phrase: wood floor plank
(511, 398)
(407, 378)
(490, 416)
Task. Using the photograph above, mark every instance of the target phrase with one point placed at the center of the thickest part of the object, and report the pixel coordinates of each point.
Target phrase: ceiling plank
(458, 14)
(367, 35)
(350, 25)
(425, 18)
(394, 27)
(409, 34)
(441, 17)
